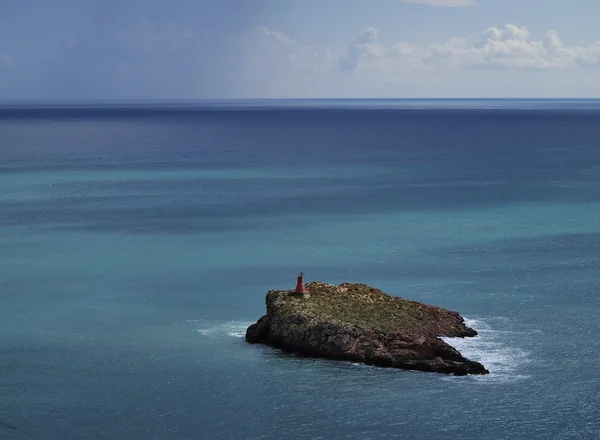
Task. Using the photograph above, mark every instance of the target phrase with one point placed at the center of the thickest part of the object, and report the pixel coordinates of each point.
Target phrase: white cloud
(274, 37)
(363, 47)
(510, 47)
(277, 65)
(272, 63)
(268, 49)
(444, 3)
(510, 32)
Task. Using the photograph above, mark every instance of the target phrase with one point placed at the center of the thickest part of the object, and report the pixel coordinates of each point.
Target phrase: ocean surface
(137, 243)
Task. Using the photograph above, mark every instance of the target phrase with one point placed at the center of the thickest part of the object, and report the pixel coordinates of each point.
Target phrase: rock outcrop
(358, 323)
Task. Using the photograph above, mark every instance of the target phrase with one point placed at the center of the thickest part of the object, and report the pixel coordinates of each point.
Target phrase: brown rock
(358, 323)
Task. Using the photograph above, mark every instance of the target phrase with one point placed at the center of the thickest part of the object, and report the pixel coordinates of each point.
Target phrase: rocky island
(358, 323)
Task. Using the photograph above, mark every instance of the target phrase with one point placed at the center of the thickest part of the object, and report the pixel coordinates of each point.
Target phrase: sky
(114, 50)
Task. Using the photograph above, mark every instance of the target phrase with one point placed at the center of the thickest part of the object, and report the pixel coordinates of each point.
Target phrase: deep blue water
(137, 244)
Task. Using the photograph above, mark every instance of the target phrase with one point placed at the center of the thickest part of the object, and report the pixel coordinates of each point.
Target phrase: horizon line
(203, 101)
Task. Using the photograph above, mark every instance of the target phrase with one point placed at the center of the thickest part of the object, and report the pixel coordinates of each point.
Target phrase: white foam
(477, 324)
(235, 329)
(504, 361)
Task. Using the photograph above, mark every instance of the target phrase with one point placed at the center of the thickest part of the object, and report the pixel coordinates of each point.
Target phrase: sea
(138, 241)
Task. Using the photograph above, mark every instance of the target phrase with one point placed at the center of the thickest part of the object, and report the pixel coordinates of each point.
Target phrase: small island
(358, 323)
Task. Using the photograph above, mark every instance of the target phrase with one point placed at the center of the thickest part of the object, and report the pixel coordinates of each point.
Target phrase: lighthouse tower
(300, 289)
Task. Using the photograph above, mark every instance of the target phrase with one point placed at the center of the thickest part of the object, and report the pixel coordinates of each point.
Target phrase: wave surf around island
(494, 348)
(235, 329)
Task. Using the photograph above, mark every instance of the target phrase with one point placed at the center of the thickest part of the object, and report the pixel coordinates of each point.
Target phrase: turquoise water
(137, 246)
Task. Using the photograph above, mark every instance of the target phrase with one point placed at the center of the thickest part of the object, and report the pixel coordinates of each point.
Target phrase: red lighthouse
(300, 290)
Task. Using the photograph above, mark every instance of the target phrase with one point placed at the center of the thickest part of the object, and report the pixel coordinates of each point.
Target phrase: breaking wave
(236, 329)
(494, 349)
(494, 346)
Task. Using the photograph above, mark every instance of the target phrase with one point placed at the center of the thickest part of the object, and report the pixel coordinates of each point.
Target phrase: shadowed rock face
(357, 323)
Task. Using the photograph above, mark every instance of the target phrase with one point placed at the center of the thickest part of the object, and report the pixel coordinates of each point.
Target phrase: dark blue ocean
(137, 243)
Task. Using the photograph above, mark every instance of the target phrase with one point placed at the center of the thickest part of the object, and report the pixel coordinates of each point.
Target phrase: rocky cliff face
(357, 323)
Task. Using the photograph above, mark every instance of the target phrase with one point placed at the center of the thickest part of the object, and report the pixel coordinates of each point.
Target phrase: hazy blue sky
(192, 49)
